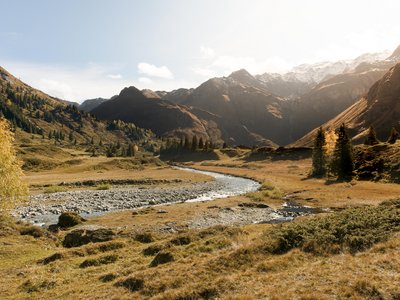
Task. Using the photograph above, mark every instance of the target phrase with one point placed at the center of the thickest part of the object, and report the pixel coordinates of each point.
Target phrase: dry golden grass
(220, 262)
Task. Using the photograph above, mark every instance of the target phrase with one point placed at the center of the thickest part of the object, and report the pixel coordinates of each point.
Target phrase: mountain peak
(241, 74)
(395, 54)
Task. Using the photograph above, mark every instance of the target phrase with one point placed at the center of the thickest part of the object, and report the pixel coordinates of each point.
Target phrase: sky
(82, 49)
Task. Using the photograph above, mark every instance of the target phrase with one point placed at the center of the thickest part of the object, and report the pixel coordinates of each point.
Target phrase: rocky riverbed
(45, 208)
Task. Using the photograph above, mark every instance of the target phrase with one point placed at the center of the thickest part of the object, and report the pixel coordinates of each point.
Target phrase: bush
(81, 237)
(144, 237)
(352, 230)
(54, 189)
(103, 187)
(132, 284)
(34, 231)
(69, 219)
(104, 260)
(151, 250)
(162, 258)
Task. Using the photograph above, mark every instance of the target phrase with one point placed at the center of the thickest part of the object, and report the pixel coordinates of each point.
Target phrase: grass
(267, 190)
(103, 187)
(54, 189)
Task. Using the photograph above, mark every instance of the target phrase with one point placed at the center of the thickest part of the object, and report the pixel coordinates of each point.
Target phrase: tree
(12, 189)
(187, 143)
(371, 137)
(342, 163)
(194, 143)
(319, 155)
(201, 143)
(394, 135)
(130, 151)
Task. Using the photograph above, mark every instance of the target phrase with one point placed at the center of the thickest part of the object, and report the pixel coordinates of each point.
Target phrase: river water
(44, 209)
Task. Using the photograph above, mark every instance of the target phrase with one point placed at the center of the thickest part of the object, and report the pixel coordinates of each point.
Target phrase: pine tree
(130, 152)
(201, 143)
(394, 135)
(371, 137)
(342, 162)
(187, 143)
(194, 143)
(319, 155)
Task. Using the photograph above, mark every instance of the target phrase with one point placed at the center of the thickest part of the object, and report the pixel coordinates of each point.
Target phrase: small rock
(162, 211)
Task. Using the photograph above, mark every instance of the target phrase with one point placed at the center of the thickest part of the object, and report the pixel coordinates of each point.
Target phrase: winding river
(44, 209)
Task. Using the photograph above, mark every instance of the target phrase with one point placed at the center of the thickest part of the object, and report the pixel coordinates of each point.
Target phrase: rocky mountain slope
(380, 108)
(148, 110)
(37, 113)
(91, 104)
(244, 110)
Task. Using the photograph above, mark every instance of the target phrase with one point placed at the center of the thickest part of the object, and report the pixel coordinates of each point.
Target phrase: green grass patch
(54, 189)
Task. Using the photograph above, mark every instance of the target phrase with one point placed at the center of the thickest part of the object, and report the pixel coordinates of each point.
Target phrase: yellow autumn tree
(12, 189)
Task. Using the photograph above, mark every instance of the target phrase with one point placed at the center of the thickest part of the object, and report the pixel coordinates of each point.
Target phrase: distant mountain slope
(147, 110)
(247, 112)
(331, 97)
(90, 104)
(38, 113)
(379, 108)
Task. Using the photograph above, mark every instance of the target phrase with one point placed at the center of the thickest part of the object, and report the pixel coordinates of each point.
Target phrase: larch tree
(12, 189)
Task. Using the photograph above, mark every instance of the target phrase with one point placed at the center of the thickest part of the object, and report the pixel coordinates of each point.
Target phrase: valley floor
(160, 253)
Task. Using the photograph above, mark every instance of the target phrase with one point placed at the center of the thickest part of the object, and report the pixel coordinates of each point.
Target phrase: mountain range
(264, 110)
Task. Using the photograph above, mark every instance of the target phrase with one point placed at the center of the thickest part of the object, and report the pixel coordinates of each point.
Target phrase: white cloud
(207, 52)
(154, 71)
(145, 80)
(84, 82)
(114, 76)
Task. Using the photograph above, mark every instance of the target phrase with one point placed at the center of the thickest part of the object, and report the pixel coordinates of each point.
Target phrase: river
(44, 209)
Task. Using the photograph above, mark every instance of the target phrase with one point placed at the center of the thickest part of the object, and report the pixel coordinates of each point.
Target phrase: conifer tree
(342, 164)
(371, 137)
(187, 143)
(201, 143)
(130, 152)
(319, 155)
(394, 135)
(194, 143)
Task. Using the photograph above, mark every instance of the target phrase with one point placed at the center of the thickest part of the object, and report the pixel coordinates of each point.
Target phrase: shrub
(54, 189)
(69, 219)
(351, 230)
(151, 250)
(144, 237)
(162, 258)
(104, 260)
(133, 284)
(103, 187)
(34, 231)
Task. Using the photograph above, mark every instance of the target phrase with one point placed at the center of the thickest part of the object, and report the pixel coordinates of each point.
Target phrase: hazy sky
(79, 49)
